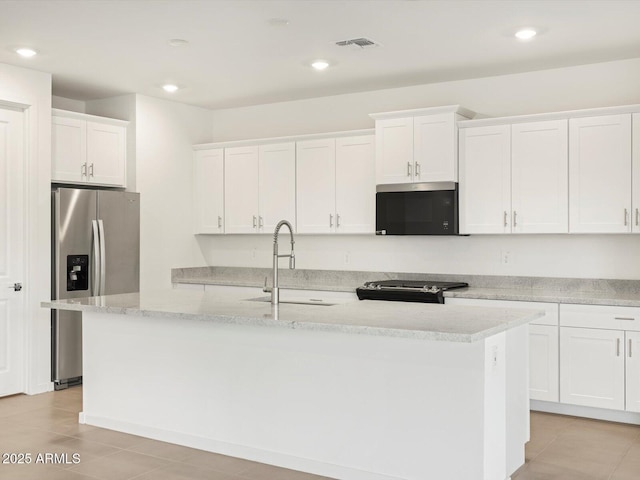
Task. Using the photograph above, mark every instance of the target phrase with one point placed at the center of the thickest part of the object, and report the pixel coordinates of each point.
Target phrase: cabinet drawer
(600, 316)
(550, 309)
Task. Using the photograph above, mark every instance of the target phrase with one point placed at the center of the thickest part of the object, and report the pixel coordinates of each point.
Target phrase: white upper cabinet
(485, 179)
(336, 185)
(635, 171)
(316, 184)
(209, 191)
(355, 185)
(418, 145)
(539, 177)
(277, 185)
(241, 189)
(600, 174)
(88, 150)
(513, 178)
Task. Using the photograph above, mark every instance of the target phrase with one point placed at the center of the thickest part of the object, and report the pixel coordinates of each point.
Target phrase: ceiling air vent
(359, 42)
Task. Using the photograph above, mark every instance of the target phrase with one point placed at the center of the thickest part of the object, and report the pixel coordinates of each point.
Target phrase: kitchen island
(360, 390)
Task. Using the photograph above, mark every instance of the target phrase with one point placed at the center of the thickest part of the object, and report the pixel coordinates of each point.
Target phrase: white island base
(344, 405)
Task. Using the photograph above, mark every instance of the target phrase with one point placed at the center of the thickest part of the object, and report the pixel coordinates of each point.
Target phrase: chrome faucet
(275, 290)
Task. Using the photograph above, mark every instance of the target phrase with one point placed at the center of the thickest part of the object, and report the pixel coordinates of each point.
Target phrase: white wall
(31, 88)
(68, 104)
(165, 133)
(614, 256)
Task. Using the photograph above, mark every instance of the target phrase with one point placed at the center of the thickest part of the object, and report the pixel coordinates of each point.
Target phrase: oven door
(417, 209)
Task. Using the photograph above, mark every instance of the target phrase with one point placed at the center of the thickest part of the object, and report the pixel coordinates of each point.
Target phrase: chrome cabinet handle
(338, 220)
(408, 169)
(330, 220)
(91, 170)
(255, 221)
(219, 221)
(260, 221)
(630, 343)
(514, 218)
(83, 170)
(617, 347)
(505, 219)
(626, 217)
(637, 217)
(624, 318)
(417, 168)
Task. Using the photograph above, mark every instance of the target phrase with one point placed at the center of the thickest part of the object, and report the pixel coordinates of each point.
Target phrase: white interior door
(12, 251)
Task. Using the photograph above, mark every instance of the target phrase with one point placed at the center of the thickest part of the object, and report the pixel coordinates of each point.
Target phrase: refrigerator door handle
(103, 269)
(96, 258)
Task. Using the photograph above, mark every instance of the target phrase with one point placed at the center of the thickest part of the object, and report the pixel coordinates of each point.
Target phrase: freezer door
(120, 216)
(73, 213)
(67, 345)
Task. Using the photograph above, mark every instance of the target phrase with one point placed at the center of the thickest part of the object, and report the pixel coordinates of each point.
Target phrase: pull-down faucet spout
(275, 290)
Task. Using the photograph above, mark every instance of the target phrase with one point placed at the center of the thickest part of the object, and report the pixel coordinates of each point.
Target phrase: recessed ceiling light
(170, 88)
(320, 64)
(26, 52)
(526, 34)
(178, 42)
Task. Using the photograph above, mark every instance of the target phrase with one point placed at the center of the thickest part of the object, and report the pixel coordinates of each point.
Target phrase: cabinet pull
(408, 169)
(624, 318)
(91, 170)
(83, 170)
(514, 218)
(260, 221)
(505, 218)
(630, 343)
(338, 220)
(617, 347)
(330, 220)
(219, 221)
(626, 217)
(417, 168)
(637, 217)
(255, 221)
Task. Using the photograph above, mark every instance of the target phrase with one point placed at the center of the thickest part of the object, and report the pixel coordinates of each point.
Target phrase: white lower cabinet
(592, 367)
(632, 345)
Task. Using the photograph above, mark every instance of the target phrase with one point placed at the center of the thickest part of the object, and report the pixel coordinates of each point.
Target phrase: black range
(424, 291)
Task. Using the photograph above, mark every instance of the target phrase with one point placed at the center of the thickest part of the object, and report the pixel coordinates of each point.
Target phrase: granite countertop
(584, 291)
(393, 319)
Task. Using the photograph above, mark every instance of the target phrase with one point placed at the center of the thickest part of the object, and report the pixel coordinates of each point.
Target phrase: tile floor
(561, 447)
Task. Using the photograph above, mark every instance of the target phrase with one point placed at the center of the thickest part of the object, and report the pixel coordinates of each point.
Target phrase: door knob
(16, 287)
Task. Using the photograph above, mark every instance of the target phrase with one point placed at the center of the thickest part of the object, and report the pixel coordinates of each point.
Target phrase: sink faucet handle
(292, 261)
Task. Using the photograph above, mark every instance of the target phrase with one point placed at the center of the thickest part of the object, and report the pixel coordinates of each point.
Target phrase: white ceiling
(236, 55)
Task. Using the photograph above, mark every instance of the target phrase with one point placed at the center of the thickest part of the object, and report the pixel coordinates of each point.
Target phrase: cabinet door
(592, 367)
(316, 185)
(106, 154)
(539, 177)
(600, 174)
(633, 371)
(69, 150)
(355, 185)
(208, 199)
(277, 179)
(394, 150)
(241, 190)
(543, 363)
(434, 143)
(635, 170)
(485, 179)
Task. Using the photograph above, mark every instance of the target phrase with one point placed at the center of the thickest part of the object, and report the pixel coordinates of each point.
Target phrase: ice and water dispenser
(77, 272)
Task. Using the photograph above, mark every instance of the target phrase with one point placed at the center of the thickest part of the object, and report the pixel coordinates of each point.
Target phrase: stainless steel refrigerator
(95, 251)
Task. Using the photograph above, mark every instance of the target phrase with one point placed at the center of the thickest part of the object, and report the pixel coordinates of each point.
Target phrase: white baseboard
(587, 412)
(234, 450)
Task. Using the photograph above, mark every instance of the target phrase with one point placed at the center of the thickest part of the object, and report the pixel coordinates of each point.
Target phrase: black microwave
(417, 209)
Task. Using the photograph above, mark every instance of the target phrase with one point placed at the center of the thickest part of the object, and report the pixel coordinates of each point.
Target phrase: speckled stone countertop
(393, 319)
(585, 291)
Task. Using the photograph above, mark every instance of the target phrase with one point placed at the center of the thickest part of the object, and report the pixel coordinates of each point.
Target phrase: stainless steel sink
(311, 301)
